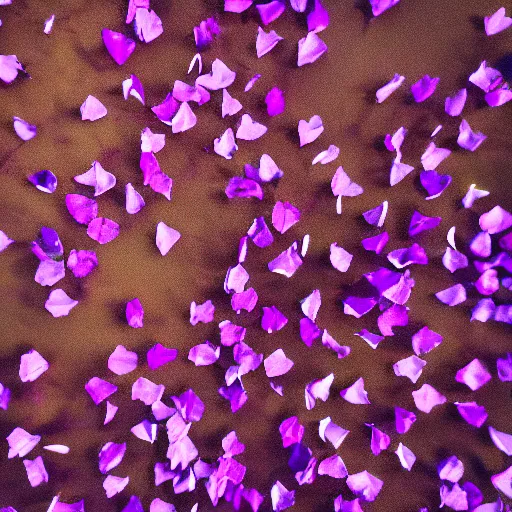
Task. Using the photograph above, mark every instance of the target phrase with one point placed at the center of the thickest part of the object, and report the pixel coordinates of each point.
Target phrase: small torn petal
(468, 139)
(398, 172)
(473, 413)
(454, 105)
(426, 398)
(433, 156)
(311, 304)
(327, 156)
(380, 441)
(499, 96)
(260, 234)
(452, 296)
(329, 431)
(220, 77)
(474, 375)
(486, 78)
(118, 45)
(92, 109)
(376, 243)
(451, 469)
(146, 391)
(134, 505)
(231, 445)
(147, 25)
(410, 367)
(424, 88)
(98, 178)
(272, 320)
(328, 341)
(206, 33)
(309, 331)
(365, 485)
(340, 259)
(110, 413)
(372, 339)
(386, 90)
(49, 272)
(311, 48)
(503, 482)
(204, 354)
(151, 142)
(275, 102)
(145, 431)
(287, 262)
(483, 311)
(81, 208)
(59, 303)
(488, 283)
(122, 361)
(277, 364)
(36, 472)
(265, 42)
(454, 260)
(504, 368)
(318, 18)
(226, 146)
(165, 111)
(291, 431)
(284, 216)
(376, 216)
(5, 241)
(235, 394)
(342, 185)
(99, 389)
(435, 184)
(114, 485)
(110, 456)
(318, 389)
(406, 457)
(133, 87)
(421, 223)
(270, 11)
(57, 448)
(437, 129)
(333, 466)
(356, 394)
(24, 130)
(497, 22)
(281, 497)
(203, 313)
(401, 258)
(103, 230)
(495, 220)
(82, 263)
(134, 201)
(166, 237)
(21, 443)
(5, 397)
(45, 181)
(236, 279)
(501, 440)
(403, 420)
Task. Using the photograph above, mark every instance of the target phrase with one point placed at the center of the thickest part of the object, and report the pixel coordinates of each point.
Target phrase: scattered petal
(403, 420)
(454, 260)
(376, 216)
(311, 48)
(275, 102)
(333, 466)
(452, 296)
(99, 389)
(501, 440)
(355, 394)
(59, 303)
(166, 237)
(310, 130)
(36, 472)
(270, 11)
(118, 45)
(398, 172)
(372, 339)
(265, 42)
(98, 178)
(147, 25)
(468, 139)
(220, 77)
(497, 22)
(110, 456)
(503, 482)
(454, 105)
(204, 354)
(484, 310)
(92, 109)
(425, 340)
(284, 216)
(401, 258)
(473, 413)
(134, 201)
(82, 263)
(329, 431)
(281, 497)
(376, 243)
(114, 485)
(424, 88)
(249, 129)
(45, 181)
(133, 87)
(230, 106)
(21, 443)
(421, 223)
(146, 391)
(226, 146)
(380, 441)
(110, 413)
(396, 315)
(406, 457)
(451, 469)
(495, 220)
(236, 279)
(272, 320)
(426, 398)
(146, 431)
(49, 272)
(340, 259)
(277, 364)
(122, 361)
(435, 184)
(474, 375)
(365, 485)
(410, 367)
(206, 33)
(318, 389)
(9, 67)
(23, 129)
(386, 90)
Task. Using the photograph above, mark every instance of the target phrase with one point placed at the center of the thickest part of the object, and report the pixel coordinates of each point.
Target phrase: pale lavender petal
(275, 102)
(504, 368)
(501, 440)
(342, 185)
(406, 457)
(495, 220)
(206, 33)
(421, 223)
(21, 443)
(455, 498)
(327, 156)
(110, 413)
(81, 208)
(426, 398)
(151, 142)
(249, 129)
(376, 216)
(468, 139)
(403, 420)
(473, 413)
(246, 358)
(236, 279)
(396, 315)
(311, 48)
(134, 201)
(454, 105)
(49, 272)
(329, 431)
(5, 241)
(499, 96)
(166, 237)
(111, 456)
(401, 258)
(328, 341)
(57, 448)
(372, 339)
(98, 178)
(270, 11)
(386, 90)
(380, 441)
(92, 109)
(433, 156)
(486, 78)
(118, 45)
(365, 485)
(333, 466)
(36, 472)
(161, 411)
(452, 296)
(146, 391)
(114, 485)
(310, 130)
(103, 230)
(220, 77)
(82, 263)
(99, 389)
(483, 310)
(355, 394)
(398, 172)
(230, 105)
(267, 171)
(341, 505)
(235, 394)
(45, 181)
(251, 82)
(503, 482)
(437, 129)
(291, 431)
(311, 304)
(266, 42)
(231, 445)
(190, 406)
(410, 367)
(451, 469)
(133, 5)
(424, 88)
(284, 216)
(287, 262)
(340, 259)
(145, 430)
(454, 260)
(225, 145)
(184, 119)
(299, 5)
(9, 67)
(435, 184)
(23, 129)
(281, 497)
(203, 313)
(318, 389)
(147, 25)
(133, 87)
(277, 364)
(122, 361)
(244, 300)
(305, 245)
(158, 505)
(5, 397)
(376, 243)
(59, 303)
(358, 306)
(497, 22)
(318, 18)
(488, 283)
(474, 375)
(204, 354)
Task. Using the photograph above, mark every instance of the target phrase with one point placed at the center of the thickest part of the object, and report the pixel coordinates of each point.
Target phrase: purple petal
(260, 233)
(236, 279)
(82, 263)
(146, 391)
(309, 331)
(372, 339)
(310, 130)
(333, 466)
(421, 223)
(329, 342)
(118, 45)
(277, 364)
(340, 259)
(454, 260)
(246, 358)
(59, 303)
(504, 367)
(266, 42)
(406, 457)
(426, 398)
(327, 156)
(133, 5)
(486, 78)
(275, 102)
(468, 139)
(331, 432)
(49, 272)
(503, 313)
(311, 48)
(249, 129)
(5, 397)
(158, 505)
(358, 306)
(499, 97)
(45, 181)
(318, 389)
(226, 146)
(165, 111)
(401, 258)
(206, 33)
(98, 178)
(166, 237)
(474, 375)
(451, 469)
(483, 310)
(92, 109)
(204, 354)
(425, 340)
(398, 172)
(488, 282)
(497, 22)
(272, 320)
(114, 485)
(311, 304)
(23, 129)
(396, 315)
(424, 88)
(135, 314)
(110, 413)
(267, 171)
(190, 406)
(454, 105)
(455, 498)
(376, 216)
(134, 505)
(147, 25)
(503, 482)
(21, 443)
(341, 185)
(495, 220)
(287, 262)
(376, 243)
(235, 394)
(184, 119)
(291, 431)
(452, 296)
(230, 106)
(220, 77)
(243, 187)
(111, 456)
(48, 245)
(36, 472)
(473, 413)
(203, 313)
(196, 57)
(133, 87)
(365, 485)
(134, 201)
(99, 389)
(501, 440)
(318, 18)
(341, 505)
(356, 394)
(5, 241)
(9, 67)
(410, 367)
(146, 431)
(299, 5)
(281, 497)
(161, 411)
(474, 495)
(122, 361)
(244, 300)
(81, 208)
(270, 11)
(403, 420)
(151, 142)
(386, 90)
(434, 183)
(232, 446)
(380, 441)
(103, 230)
(284, 216)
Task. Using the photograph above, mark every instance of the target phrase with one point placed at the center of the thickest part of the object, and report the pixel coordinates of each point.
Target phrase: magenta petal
(251, 82)
(236, 279)
(327, 156)
(358, 306)
(260, 234)
(488, 282)
(281, 497)
(287, 262)
(111, 456)
(190, 406)
(474, 375)
(284, 216)
(270, 11)
(403, 420)
(49, 272)
(59, 303)
(184, 119)
(454, 105)
(503, 482)
(99, 389)
(318, 389)
(36, 472)
(291, 431)
(473, 413)
(82, 263)
(501, 440)
(421, 223)
(147, 391)
(376, 216)
(45, 181)
(145, 431)
(468, 139)
(310, 130)
(365, 485)
(424, 88)
(504, 367)
(230, 105)
(133, 87)
(380, 441)
(114, 485)
(277, 364)
(158, 505)
(451, 469)
(426, 398)
(203, 313)
(425, 340)
(118, 45)
(454, 260)
(406, 457)
(9, 67)
(497, 22)
(486, 78)
(110, 413)
(243, 187)
(342, 185)
(355, 394)
(134, 201)
(166, 237)
(328, 341)
(98, 178)
(311, 48)
(235, 394)
(220, 77)
(401, 258)
(134, 505)
(165, 111)
(5, 397)
(309, 331)
(318, 18)
(206, 33)
(410, 367)
(122, 361)
(311, 304)
(151, 142)
(396, 315)
(333, 466)
(147, 25)
(266, 42)
(275, 102)
(398, 172)
(244, 300)
(92, 109)
(498, 97)
(225, 145)
(372, 339)
(272, 320)
(386, 90)
(484, 310)
(5, 241)
(376, 243)
(103, 230)
(452, 296)
(328, 430)
(204, 354)
(435, 184)
(135, 313)
(495, 220)
(21, 443)
(231, 445)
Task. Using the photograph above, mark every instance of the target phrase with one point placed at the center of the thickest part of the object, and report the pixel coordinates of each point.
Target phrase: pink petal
(145, 431)
(204, 354)
(356, 394)
(386, 90)
(365, 485)
(433, 156)
(184, 119)
(133, 87)
(110, 456)
(49, 272)
(59, 303)
(225, 145)
(501, 440)
(203, 313)
(401, 258)
(133, 5)
(151, 142)
(329, 431)
(237, 5)
(118, 45)
(342, 185)
(122, 361)
(406, 457)
(265, 42)
(376, 243)
(454, 105)
(425, 340)
(98, 178)
(497, 22)
(5, 397)
(270, 11)
(284, 216)
(92, 109)
(396, 315)
(311, 48)
(411, 367)
(103, 230)
(474, 375)
(318, 18)
(495, 220)
(340, 259)
(333, 466)
(452, 296)
(311, 304)
(484, 310)
(148, 26)
(9, 67)
(287, 262)
(488, 282)
(81, 208)
(272, 320)
(503, 482)
(318, 389)
(110, 413)
(146, 391)
(44, 180)
(372, 339)
(451, 469)
(329, 342)
(275, 102)
(468, 139)
(57, 448)
(249, 129)
(499, 97)
(380, 441)
(486, 78)
(99, 389)
(23, 129)
(455, 498)
(230, 105)
(244, 300)
(5, 241)
(220, 77)
(426, 398)
(310, 130)
(134, 201)
(291, 431)
(277, 364)
(403, 420)
(251, 82)
(166, 237)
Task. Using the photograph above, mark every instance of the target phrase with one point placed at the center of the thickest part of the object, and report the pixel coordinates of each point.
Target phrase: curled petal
(118, 45)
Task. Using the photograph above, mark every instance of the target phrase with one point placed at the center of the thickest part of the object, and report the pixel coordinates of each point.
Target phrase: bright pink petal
(118, 45)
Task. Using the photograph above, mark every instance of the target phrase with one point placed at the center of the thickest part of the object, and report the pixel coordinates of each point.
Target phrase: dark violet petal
(365, 485)
(318, 18)
(310, 130)
(259, 233)
(275, 102)
(281, 497)
(398, 172)
(190, 406)
(265, 42)
(372, 339)
(49, 272)
(122, 361)
(328, 341)
(133, 87)
(454, 105)
(329, 431)
(503, 481)
(498, 97)
(504, 367)
(410, 367)
(380, 441)
(501, 440)
(220, 77)
(81, 208)
(472, 195)
(103, 230)
(92, 109)
(244, 300)
(230, 106)
(473, 413)
(166, 237)
(468, 139)
(452, 296)
(421, 223)
(232, 446)
(226, 146)
(204, 354)
(5, 397)
(287, 262)
(426, 398)
(203, 313)
(21, 443)
(36, 472)
(9, 67)
(483, 310)
(249, 129)
(270, 11)
(66, 507)
(311, 304)
(118, 45)
(135, 313)
(24, 130)
(206, 33)
(147, 25)
(311, 48)
(134, 504)
(376, 216)
(394, 316)
(454, 260)
(45, 181)
(277, 364)
(272, 320)
(340, 259)
(47, 245)
(284, 216)
(386, 90)
(134, 201)
(358, 306)
(401, 258)
(424, 88)
(235, 394)
(59, 303)
(435, 184)
(474, 495)
(82, 263)
(403, 420)
(114, 485)
(146, 391)
(406, 457)
(99, 389)
(474, 375)
(236, 279)
(307, 475)
(111, 456)
(355, 394)
(495, 220)
(341, 505)
(488, 282)
(291, 431)
(309, 331)
(455, 498)
(165, 111)
(451, 469)
(376, 243)
(497, 22)
(425, 340)
(318, 389)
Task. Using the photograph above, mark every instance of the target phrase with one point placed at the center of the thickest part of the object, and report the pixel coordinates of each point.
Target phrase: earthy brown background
(442, 38)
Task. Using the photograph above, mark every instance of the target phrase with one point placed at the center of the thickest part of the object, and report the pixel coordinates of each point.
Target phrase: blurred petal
(424, 88)
(365, 485)
(452, 296)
